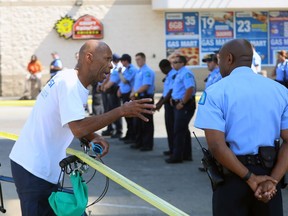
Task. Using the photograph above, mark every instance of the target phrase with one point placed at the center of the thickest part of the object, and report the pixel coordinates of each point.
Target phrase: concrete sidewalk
(182, 185)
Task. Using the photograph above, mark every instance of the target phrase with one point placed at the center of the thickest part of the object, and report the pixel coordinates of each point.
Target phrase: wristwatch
(247, 176)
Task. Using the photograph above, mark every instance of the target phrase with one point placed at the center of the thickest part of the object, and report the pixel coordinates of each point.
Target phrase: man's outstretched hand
(137, 108)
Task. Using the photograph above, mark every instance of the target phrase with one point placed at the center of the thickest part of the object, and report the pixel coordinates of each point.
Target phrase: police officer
(165, 67)
(126, 77)
(56, 65)
(144, 87)
(183, 101)
(212, 64)
(281, 68)
(241, 122)
(111, 88)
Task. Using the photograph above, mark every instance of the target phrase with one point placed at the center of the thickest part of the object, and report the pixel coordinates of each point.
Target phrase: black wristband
(247, 176)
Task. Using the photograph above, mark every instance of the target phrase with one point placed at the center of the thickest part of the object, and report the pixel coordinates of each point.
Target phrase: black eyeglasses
(176, 62)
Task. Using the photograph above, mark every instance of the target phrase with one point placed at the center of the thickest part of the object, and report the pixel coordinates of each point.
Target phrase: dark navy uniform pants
(169, 123)
(33, 192)
(145, 130)
(236, 198)
(182, 145)
(130, 134)
(114, 102)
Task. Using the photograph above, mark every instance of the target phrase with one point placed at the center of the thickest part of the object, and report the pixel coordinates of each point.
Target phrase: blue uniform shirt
(185, 79)
(281, 67)
(250, 109)
(129, 74)
(114, 76)
(145, 76)
(213, 77)
(169, 80)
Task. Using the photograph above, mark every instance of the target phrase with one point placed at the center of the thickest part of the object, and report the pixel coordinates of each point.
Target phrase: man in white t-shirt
(256, 62)
(57, 117)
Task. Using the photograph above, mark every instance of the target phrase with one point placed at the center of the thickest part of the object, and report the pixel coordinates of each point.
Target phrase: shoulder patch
(188, 75)
(202, 98)
(147, 74)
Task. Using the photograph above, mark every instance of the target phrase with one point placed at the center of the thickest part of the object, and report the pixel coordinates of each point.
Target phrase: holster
(268, 155)
(212, 168)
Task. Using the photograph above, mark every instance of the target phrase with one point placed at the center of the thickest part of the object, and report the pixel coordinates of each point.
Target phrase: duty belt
(249, 159)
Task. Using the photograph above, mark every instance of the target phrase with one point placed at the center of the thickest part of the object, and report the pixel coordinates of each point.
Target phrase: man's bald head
(94, 61)
(93, 46)
(235, 53)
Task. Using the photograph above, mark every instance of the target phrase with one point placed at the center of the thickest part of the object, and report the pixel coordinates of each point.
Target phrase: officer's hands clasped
(264, 187)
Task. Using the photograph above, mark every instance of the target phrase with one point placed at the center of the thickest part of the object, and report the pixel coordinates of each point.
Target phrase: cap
(126, 57)
(283, 53)
(208, 58)
(115, 57)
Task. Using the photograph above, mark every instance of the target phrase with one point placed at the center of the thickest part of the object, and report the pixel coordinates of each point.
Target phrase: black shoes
(201, 169)
(135, 146)
(188, 158)
(146, 149)
(123, 139)
(173, 161)
(107, 133)
(117, 135)
(167, 153)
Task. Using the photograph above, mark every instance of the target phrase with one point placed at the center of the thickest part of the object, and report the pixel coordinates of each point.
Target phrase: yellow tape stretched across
(128, 184)
(119, 179)
(32, 102)
(8, 136)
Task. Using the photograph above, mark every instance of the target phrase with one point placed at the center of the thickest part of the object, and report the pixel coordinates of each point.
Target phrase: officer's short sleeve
(129, 74)
(148, 77)
(188, 80)
(210, 113)
(114, 77)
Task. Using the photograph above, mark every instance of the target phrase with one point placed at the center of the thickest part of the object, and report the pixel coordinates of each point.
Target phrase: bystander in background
(32, 79)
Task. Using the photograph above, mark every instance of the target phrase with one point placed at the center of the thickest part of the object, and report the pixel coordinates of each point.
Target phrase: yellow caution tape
(32, 102)
(119, 179)
(128, 184)
(8, 136)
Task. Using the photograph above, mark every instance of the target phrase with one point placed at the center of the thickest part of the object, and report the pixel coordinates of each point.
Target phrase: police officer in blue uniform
(165, 67)
(144, 86)
(281, 69)
(212, 65)
(111, 88)
(183, 101)
(242, 115)
(126, 84)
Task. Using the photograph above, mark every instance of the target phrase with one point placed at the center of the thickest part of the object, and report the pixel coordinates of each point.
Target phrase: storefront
(159, 28)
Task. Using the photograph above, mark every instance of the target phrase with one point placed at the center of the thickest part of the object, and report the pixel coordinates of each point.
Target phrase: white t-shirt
(46, 135)
(256, 62)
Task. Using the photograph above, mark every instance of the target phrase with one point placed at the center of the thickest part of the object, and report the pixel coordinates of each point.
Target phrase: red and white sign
(87, 27)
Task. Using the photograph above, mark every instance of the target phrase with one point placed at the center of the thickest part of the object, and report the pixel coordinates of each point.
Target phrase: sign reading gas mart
(85, 27)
